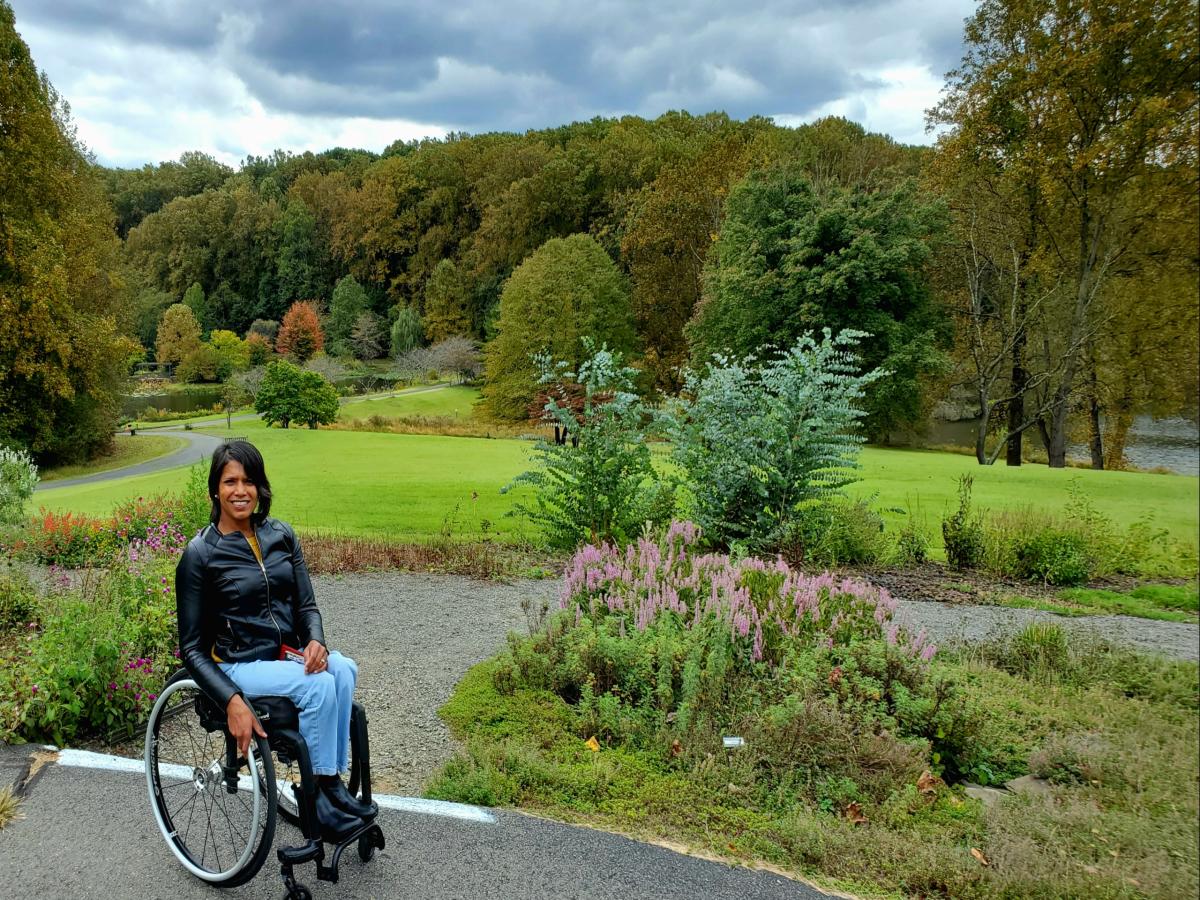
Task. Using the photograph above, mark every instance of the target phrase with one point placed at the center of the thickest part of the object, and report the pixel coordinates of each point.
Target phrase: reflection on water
(1153, 443)
(176, 401)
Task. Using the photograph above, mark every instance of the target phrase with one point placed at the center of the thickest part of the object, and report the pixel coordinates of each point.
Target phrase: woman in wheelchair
(249, 627)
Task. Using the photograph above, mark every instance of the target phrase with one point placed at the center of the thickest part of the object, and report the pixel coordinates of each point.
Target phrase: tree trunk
(1016, 407)
(1119, 421)
(1056, 440)
(1095, 437)
(981, 440)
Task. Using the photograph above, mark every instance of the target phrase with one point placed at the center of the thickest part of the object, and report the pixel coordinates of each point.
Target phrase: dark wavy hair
(247, 454)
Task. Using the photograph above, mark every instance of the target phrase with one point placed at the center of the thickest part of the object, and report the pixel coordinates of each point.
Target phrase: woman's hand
(242, 723)
(316, 658)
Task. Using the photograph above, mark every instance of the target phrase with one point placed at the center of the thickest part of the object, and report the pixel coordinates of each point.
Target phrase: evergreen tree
(194, 299)
(349, 302)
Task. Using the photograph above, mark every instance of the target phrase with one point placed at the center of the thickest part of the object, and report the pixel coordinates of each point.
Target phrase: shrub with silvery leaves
(599, 484)
(758, 442)
(18, 478)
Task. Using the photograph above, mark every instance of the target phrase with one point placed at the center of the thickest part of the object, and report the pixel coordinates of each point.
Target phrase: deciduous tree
(300, 334)
(567, 290)
(178, 335)
(63, 354)
(791, 260)
(289, 394)
(446, 303)
(1087, 112)
(407, 331)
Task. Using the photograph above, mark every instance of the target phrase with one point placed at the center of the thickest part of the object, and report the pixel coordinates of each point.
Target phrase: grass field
(126, 452)
(456, 402)
(927, 480)
(406, 485)
(389, 485)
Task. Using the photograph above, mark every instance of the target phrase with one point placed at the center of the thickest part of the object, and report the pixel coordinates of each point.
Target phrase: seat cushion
(276, 713)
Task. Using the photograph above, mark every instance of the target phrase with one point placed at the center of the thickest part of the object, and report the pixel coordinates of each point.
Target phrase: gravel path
(414, 636)
(947, 621)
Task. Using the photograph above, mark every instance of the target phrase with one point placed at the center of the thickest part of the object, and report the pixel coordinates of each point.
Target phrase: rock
(988, 796)
(1028, 784)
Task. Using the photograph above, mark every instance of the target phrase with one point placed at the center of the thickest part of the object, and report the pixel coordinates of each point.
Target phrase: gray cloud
(482, 66)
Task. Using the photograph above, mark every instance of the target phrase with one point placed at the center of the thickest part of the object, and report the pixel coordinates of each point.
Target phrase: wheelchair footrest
(294, 856)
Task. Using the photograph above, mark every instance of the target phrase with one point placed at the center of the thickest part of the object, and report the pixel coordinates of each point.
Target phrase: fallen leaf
(928, 783)
(1112, 853)
(1092, 870)
(980, 858)
(676, 747)
(854, 814)
(835, 674)
(592, 744)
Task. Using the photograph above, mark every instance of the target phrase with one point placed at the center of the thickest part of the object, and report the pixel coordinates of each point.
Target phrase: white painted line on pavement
(435, 808)
(85, 759)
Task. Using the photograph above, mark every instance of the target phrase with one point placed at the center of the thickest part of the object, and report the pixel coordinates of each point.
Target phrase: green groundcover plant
(86, 657)
(851, 734)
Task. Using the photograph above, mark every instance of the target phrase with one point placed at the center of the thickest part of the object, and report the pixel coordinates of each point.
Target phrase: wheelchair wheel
(218, 820)
(287, 774)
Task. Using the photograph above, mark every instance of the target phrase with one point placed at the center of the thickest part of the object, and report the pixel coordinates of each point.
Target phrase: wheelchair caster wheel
(369, 843)
(366, 848)
(298, 891)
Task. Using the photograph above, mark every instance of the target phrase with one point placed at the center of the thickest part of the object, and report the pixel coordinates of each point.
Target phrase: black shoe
(336, 824)
(340, 797)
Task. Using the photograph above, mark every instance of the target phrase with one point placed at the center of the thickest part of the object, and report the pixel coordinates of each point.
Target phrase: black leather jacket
(230, 605)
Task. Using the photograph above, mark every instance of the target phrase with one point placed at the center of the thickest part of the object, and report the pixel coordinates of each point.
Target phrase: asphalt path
(199, 445)
(91, 833)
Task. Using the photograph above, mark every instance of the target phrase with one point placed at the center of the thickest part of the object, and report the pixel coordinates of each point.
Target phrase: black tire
(299, 892)
(218, 832)
(366, 847)
(287, 774)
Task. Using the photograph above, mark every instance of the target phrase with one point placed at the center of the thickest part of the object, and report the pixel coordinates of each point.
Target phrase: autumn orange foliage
(300, 334)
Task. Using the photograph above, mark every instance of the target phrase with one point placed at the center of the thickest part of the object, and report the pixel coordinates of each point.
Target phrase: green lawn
(456, 402)
(127, 451)
(405, 485)
(904, 479)
(388, 485)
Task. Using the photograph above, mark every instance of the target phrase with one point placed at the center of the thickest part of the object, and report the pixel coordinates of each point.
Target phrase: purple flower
(34, 689)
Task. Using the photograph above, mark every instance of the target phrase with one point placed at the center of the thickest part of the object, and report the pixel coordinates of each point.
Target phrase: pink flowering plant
(662, 645)
(99, 653)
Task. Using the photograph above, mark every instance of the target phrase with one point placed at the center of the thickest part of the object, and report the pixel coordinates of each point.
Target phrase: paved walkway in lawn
(199, 445)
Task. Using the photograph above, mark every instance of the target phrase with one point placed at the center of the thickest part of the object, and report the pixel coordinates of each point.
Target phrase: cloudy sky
(149, 79)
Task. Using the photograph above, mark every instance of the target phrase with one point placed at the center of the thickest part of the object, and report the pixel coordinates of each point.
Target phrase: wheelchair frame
(279, 719)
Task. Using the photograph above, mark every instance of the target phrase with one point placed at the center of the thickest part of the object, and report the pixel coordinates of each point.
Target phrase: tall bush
(18, 478)
(759, 442)
(598, 484)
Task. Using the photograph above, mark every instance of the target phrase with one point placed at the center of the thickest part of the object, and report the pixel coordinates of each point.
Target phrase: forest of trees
(1042, 255)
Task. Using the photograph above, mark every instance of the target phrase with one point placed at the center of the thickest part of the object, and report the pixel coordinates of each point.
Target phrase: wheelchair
(217, 810)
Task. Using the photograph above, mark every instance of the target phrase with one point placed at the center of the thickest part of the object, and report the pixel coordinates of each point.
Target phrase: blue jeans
(323, 699)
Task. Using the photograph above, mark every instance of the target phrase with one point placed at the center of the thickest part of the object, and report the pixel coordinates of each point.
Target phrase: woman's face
(237, 494)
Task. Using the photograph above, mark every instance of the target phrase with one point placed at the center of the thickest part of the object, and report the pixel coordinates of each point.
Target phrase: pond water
(1172, 443)
(175, 401)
